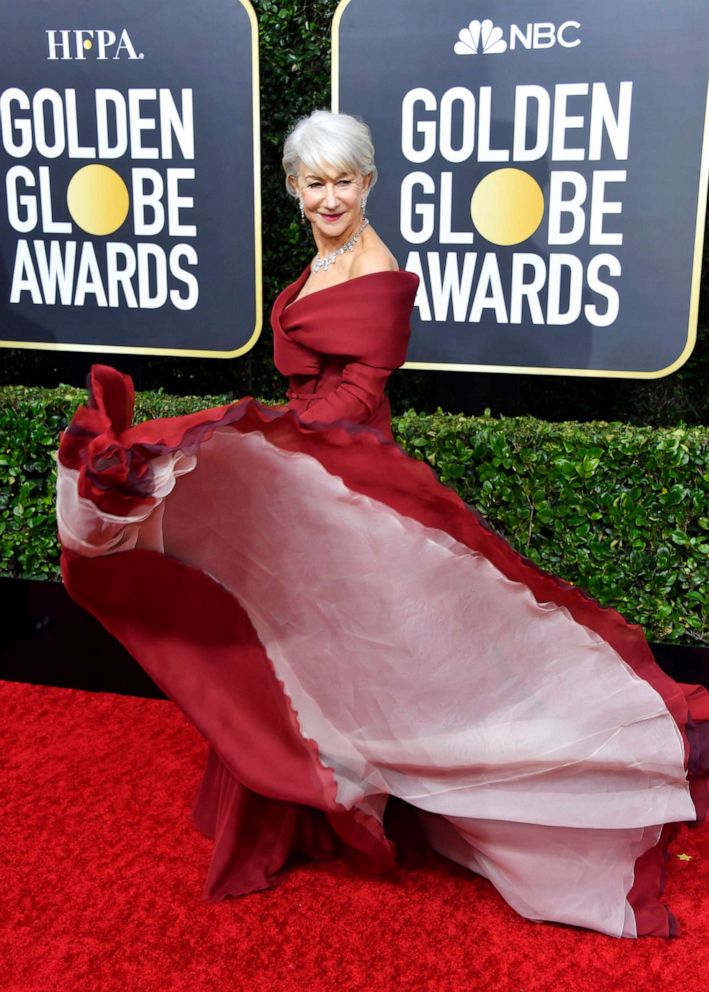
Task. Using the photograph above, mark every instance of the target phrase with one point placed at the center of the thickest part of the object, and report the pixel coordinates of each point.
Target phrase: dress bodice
(339, 345)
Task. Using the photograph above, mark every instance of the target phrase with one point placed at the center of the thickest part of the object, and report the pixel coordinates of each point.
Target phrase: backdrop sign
(129, 162)
(543, 169)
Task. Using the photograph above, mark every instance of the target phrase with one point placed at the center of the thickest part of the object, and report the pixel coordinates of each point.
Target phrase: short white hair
(323, 138)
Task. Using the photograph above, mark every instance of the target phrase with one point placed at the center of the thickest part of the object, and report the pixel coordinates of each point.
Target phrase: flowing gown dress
(343, 629)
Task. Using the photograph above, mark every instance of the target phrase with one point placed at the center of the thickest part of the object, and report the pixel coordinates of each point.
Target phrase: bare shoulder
(374, 258)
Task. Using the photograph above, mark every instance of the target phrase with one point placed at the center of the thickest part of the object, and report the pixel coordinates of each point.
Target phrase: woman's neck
(327, 246)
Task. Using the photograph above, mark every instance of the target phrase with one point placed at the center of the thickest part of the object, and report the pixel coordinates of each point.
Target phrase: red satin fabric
(339, 346)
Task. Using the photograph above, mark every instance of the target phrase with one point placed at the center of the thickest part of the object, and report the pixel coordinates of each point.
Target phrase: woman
(340, 352)
(342, 628)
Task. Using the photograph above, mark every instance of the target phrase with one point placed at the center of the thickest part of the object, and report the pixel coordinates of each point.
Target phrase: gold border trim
(258, 257)
(595, 373)
(335, 54)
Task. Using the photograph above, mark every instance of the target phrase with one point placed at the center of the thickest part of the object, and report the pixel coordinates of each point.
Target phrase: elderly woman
(343, 629)
(340, 346)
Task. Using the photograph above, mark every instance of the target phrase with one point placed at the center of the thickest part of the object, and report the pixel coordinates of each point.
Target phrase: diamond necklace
(328, 260)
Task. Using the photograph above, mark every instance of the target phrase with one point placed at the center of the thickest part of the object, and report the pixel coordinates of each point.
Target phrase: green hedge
(620, 511)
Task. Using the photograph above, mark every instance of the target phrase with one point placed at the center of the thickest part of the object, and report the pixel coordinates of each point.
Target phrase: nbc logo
(486, 38)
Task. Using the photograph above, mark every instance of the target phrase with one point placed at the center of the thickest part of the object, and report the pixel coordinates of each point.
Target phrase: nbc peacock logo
(480, 37)
(486, 38)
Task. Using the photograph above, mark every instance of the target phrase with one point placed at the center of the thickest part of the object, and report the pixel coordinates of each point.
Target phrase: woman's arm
(355, 399)
(362, 387)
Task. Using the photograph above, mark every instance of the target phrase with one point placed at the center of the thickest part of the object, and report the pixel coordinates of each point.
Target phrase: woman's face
(332, 199)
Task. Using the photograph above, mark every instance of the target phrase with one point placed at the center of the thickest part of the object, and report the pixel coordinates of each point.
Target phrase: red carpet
(102, 873)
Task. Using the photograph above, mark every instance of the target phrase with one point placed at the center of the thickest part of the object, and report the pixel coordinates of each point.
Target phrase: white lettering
(452, 286)
(466, 144)
(120, 266)
(516, 35)
(117, 123)
(49, 225)
(175, 203)
(48, 99)
(563, 122)
(177, 123)
(426, 211)
(147, 199)
(560, 285)
(529, 291)
(446, 235)
(544, 35)
(558, 206)
(188, 253)
(615, 124)
(152, 278)
(88, 278)
(523, 96)
(49, 123)
(485, 152)
(106, 39)
(413, 264)
(14, 201)
(138, 124)
(609, 293)
(425, 128)
(561, 34)
(600, 207)
(494, 299)
(79, 38)
(9, 125)
(54, 45)
(74, 149)
(56, 271)
(460, 127)
(127, 44)
(24, 277)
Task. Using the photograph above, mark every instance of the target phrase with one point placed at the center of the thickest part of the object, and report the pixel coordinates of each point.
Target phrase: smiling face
(332, 200)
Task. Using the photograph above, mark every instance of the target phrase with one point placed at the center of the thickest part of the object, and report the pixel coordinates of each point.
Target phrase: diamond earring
(364, 204)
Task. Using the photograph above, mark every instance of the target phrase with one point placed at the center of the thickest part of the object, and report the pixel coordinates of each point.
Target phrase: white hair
(339, 140)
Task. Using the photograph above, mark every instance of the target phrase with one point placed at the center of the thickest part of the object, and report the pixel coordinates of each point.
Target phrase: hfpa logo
(83, 44)
(483, 37)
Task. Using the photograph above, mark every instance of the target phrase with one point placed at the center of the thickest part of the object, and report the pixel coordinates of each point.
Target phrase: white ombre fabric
(534, 753)
(87, 532)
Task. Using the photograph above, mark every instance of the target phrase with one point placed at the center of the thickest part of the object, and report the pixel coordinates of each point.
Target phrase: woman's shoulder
(372, 259)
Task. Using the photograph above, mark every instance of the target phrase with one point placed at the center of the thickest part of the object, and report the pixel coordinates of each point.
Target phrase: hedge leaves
(620, 511)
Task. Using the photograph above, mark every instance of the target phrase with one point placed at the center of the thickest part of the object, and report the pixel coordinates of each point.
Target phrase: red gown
(343, 629)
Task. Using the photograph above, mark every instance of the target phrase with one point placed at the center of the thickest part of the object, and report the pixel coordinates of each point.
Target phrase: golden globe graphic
(548, 192)
(97, 199)
(117, 143)
(507, 206)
